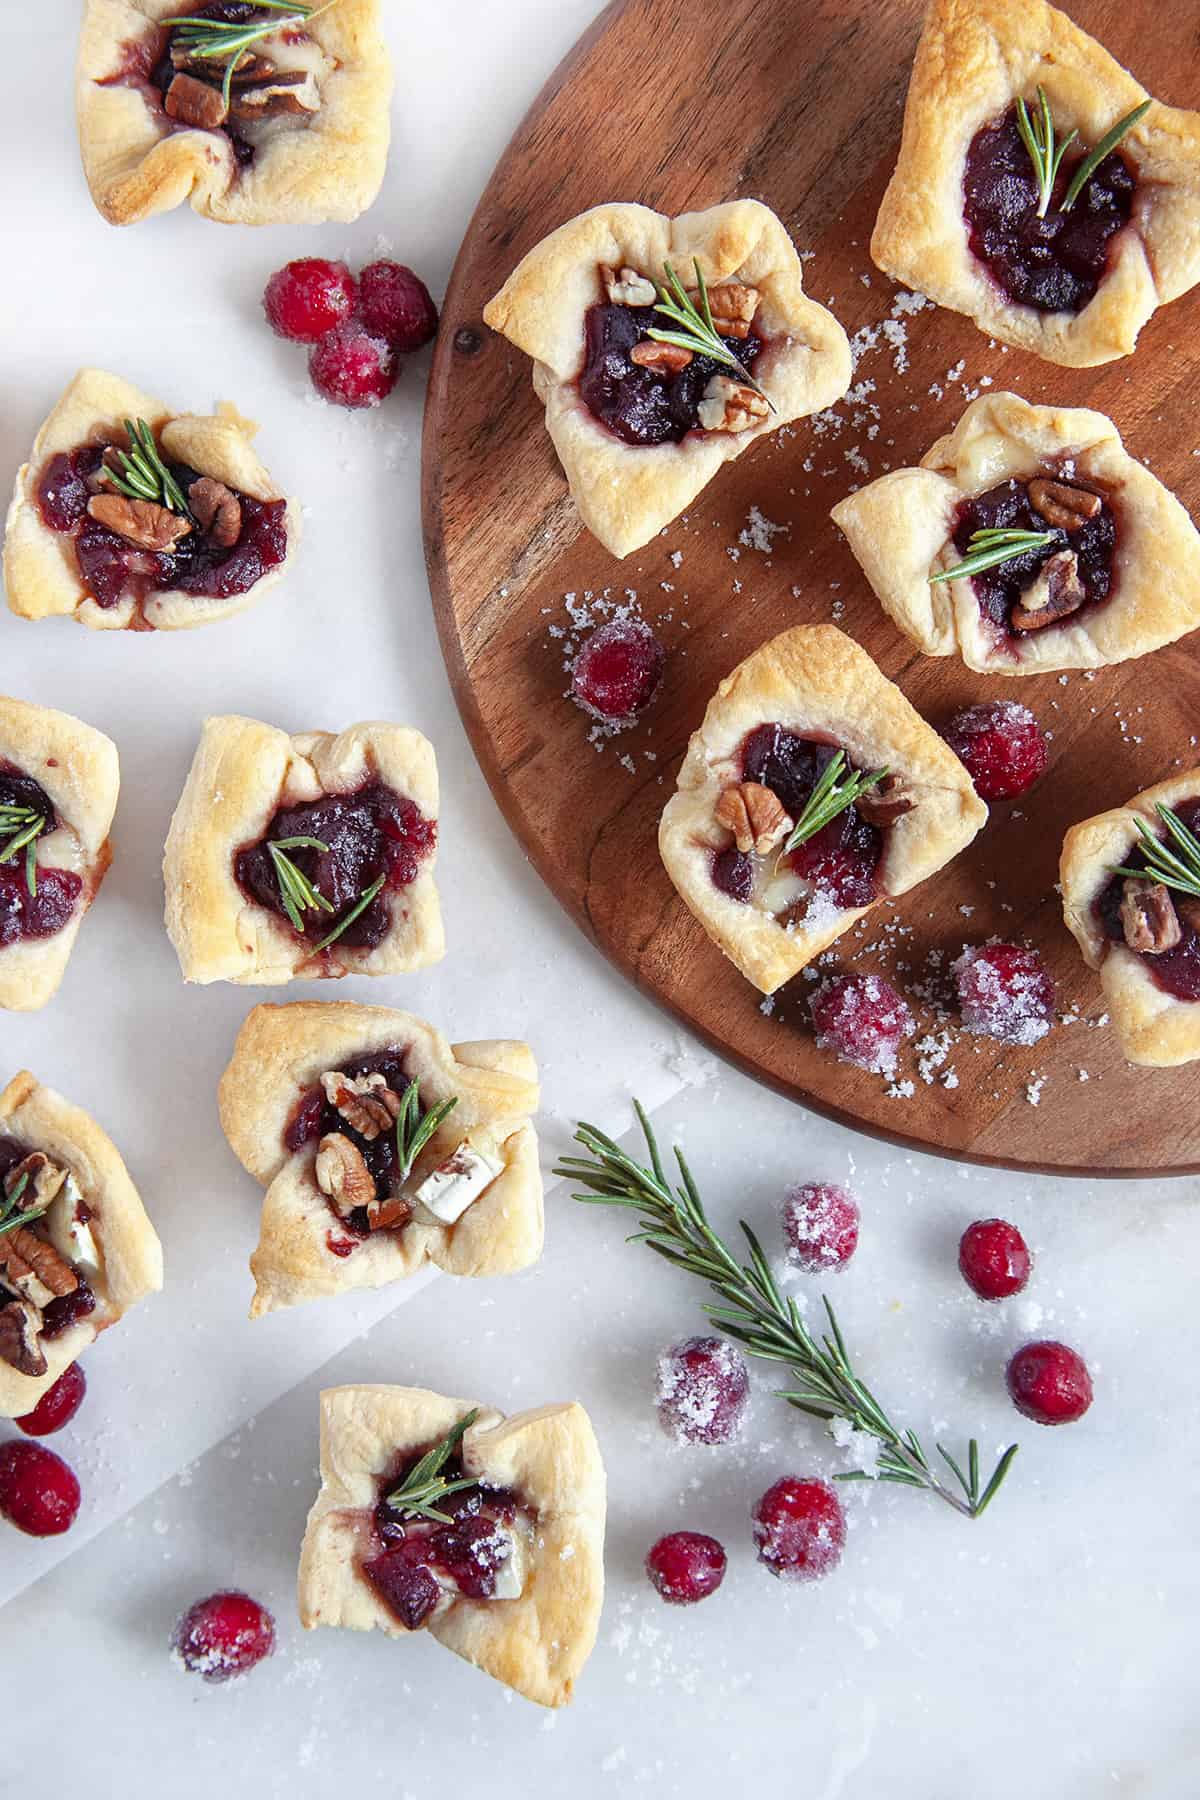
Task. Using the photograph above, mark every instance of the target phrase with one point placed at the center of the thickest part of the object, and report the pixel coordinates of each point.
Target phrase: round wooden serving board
(680, 104)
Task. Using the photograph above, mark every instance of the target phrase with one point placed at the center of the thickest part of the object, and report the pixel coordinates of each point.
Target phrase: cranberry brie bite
(76, 1248)
(1130, 883)
(1039, 190)
(443, 1515)
(662, 348)
(1028, 540)
(128, 517)
(811, 791)
(257, 114)
(381, 1147)
(304, 856)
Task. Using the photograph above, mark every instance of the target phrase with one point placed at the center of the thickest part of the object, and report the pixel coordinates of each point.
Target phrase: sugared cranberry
(618, 671)
(820, 1223)
(396, 303)
(1002, 746)
(1049, 1383)
(799, 1529)
(39, 1492)
(352, 366)
(863, 1020)
(686, 1566)
(994, 1259)
(307, 298)
(1005, 991)
(224, 1636)
(57, 1406)
(703, 1391)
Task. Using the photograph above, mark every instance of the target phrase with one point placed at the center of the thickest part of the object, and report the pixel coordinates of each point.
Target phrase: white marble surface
(1045, 1651)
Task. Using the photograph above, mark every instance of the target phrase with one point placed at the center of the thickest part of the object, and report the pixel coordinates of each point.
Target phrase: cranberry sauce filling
(1054, 264)
(22, 914)
(466, 1553)
(1177, 971)
(315, 1117)
(369, 834)
(1008, 507)
(111, 567)
(646, 406)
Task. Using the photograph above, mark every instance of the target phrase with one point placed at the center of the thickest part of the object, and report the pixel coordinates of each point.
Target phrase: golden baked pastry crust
(41, 571)
(282, 1051)
(628, 492)
(975, 58)
(77, 767)
(132, 1255)
(814, 680)
(900, 529)
(138, 162)
(1156, 1030)
(243, 771)
(536, 1644)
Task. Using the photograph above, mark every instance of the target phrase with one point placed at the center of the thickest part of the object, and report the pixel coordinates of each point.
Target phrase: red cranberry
(733, 874)
(308, 298)
(39, 1492)
(224, 1636)
(1002, 746)
(703, 1391)
(686, 1566)
(57, 1406)
(1049, 1382)
(863, 1020)
(352, 366)
(994, 1259)
(396, 303)
(820, 1223)
(1005, 991)
(618, 671)
(799, 1529)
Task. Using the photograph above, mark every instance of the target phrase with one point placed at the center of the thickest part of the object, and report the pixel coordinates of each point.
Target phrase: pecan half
(1063, 505)
(1056, 593)
(389, 1214)
(283, 91)
(733, 306)
(627, 287)
(44, 1180)
(757, 818)
(217, 510)
(730, 406)
(884, 803)
(20, 1346)
(140, 522)
(367, 1104)
(34, 1267)
(193, 102)
(664, 359)
(1148, 917)
(342, 1173)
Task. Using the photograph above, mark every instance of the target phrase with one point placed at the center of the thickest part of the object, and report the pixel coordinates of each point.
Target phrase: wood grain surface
(681, 104)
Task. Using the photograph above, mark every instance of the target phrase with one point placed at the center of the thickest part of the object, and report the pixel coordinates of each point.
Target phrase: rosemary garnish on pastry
(425, 1484)
(415, 1128)
(296, 891)
(830, 797)
(360, 906)
(1046, 153)
(216, 40)
(21, 826)
(696, 331)
(143, 475)
(754, 1312)
(10, 1218)
(989, 548)
(1178, 868)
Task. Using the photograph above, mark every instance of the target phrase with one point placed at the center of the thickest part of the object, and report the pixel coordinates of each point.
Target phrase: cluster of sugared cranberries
(703, 1391)
(863, 1020)
(1002, 745)
(223, 1636)
(1005, 991)
(618, 671)
(1047, 1381)
(357, 329)
(820, 1225)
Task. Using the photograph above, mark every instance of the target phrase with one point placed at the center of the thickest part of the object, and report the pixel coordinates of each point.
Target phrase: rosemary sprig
(10, 1218)
(295, 889)
(696, 331)
(1179, 871)
(216, 40)
(989, 548)
(424, 1483)
(360, 906)
(754, 1312)
(143, 475)
(1046, 154)
(22, 826)
(830, 797)
(1105, 147)
(415, 1128)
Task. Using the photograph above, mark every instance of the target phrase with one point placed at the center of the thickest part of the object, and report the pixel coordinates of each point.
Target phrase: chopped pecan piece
(43, 1180)
(626, 287)
(730, 406)
(20, 1346)
(140, 522)
(34, 1267)
(1148, 917)
(195, 103)
(283, 91)
(389, 1214)
(1056, 593)
(367, 1104)
(884, 803)
(733, 306)
(342, 1174)
(217, 510)
(664, 359)
(1062, 505)
(757, 818)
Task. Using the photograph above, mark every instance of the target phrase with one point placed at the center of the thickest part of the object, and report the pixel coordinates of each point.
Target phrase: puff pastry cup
(289, 1059)
(816, 683)
(535, 1642)
(58, 769)
(249, 779)
(976, 58)
(627, 492)
(42, 571)
(309, 148)
(91, 1236)
(901, 529)
(1156, 1028)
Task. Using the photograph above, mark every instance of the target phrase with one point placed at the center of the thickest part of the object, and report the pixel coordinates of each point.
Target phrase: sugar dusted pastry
(174, 526)
(381, 1147)
(1141, 930)
(58, 792)
(1064, 257)
(641, 426)
(1106, 565)
(304, 856)
(296, 131)
(811, 790)
(76, 1248)
(511, 1578)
